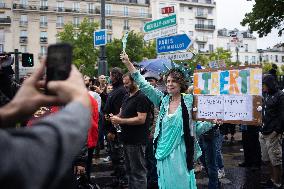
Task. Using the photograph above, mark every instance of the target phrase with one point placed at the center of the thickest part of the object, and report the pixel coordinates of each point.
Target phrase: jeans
(220, 161)
(209, 148)
(135, 164)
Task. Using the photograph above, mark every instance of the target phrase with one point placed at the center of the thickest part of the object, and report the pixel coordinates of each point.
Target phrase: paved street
(236, 177)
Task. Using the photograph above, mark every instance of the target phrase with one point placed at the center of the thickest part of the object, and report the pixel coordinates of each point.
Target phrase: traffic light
(27, 60)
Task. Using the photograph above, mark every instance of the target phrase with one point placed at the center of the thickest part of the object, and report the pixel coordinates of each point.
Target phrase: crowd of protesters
(152, 140)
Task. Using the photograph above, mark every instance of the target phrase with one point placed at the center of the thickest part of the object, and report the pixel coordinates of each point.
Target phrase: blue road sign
(100, 37)
(173, 43)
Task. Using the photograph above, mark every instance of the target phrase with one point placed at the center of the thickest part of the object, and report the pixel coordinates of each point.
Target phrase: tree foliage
(265, 15)
(85, 55)
(136, 49)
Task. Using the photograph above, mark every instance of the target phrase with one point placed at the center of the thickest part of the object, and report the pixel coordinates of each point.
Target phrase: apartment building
(197, 18)
(274, 55)
(31, 25)
(240, 43)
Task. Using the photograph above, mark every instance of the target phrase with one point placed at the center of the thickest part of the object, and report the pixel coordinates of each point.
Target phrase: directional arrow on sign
(173, 43)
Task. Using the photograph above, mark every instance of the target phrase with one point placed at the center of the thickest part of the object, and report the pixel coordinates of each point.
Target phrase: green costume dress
(170, 152)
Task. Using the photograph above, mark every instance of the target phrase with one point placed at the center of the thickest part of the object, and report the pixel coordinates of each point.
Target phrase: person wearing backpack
(175, 138)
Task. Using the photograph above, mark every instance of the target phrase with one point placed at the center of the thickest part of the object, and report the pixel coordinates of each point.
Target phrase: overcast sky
(231, 12)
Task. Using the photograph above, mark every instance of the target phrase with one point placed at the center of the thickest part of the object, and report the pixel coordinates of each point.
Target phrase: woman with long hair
(176, 141)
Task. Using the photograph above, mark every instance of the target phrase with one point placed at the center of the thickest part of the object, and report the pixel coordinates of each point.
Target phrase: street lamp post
(102, 68)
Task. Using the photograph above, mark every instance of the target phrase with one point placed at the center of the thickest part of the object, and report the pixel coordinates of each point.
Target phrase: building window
(23, 49)
(181, 20)
(201, 47)
(59, 21)
(246, 59)
(276, 58)
(91, 19)
(43, 37)
(76, 6)
(143, 12)
(76, 21)
(228, 46)
(23, 20)
(200, 11)
(43, 21)
(108, 9)
(282, 58)
(210, 22)
(266, 58)
(43, 3)
(23, 3)
(60, 6)
(91, 8)
(109, 24)
(2, 36)
(126, 25)
(210, 10)
(23, 33)
(1, 48)
(211, 48)
(200, 22)
(125, 11)
(190, 33)
(246, 47)
(253, 59)
(109, 38)
(43, 50)
(182, 9)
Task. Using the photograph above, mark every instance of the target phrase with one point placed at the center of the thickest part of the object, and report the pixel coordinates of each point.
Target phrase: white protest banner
(231, 95)
(238, 107)
(210, 107)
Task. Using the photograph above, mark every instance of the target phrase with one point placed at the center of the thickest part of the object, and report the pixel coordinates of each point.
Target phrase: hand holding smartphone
(58, 62)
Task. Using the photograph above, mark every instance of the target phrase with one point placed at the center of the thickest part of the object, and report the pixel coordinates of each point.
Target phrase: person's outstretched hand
(125, 59)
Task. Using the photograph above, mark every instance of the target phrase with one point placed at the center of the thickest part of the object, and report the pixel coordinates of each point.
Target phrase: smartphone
(58, 62)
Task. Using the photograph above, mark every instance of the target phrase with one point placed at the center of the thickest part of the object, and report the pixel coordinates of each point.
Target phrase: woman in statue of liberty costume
(175, 151)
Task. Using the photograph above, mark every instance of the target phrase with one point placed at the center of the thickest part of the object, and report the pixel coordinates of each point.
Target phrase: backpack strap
(188, 138)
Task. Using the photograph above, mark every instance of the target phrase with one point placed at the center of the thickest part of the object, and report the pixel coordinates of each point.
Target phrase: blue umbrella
(156, 65)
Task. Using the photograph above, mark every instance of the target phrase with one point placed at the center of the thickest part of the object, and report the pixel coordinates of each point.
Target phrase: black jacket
(113, 104)
(273, 113)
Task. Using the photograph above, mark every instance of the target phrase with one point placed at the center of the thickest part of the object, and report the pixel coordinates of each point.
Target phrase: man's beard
(130, 89)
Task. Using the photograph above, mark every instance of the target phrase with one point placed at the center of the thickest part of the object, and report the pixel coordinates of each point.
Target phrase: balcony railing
(43, 8)
(43, 39)
(204, 27)
(23, 39)
(201, 15)
(81, 11)
(129, 14)
(5, 21)
(23, 23)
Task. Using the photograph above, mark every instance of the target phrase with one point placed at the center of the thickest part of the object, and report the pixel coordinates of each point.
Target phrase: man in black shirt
(134, 125)
(112, 107)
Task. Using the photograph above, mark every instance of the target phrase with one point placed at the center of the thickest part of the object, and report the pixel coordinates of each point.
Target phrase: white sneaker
(221, 173)
(107, 159)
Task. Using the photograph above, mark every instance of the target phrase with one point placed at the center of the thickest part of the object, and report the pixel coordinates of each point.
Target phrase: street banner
(232, 95)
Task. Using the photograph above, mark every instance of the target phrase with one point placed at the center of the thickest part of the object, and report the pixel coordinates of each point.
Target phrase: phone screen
(59, 59)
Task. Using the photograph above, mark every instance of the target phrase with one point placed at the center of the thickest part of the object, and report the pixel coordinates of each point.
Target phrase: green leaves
(136, 49)
(84, 54)
(266, 15)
